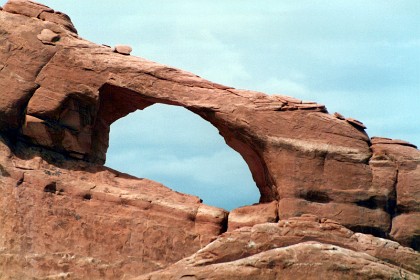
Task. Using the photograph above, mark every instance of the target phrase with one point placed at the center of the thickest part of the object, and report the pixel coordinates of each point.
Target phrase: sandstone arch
(300, 155)
(64, 214)
(116, 102)
(77, 72)
(173, 146)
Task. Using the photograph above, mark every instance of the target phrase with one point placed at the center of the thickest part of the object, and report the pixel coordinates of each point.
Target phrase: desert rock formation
(298, 248)
(64, 214)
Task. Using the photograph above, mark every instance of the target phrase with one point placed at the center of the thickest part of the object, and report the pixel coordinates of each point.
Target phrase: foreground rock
(64, 214)
(306, 260)
(298, 248)
(92, 222)
(70, 92)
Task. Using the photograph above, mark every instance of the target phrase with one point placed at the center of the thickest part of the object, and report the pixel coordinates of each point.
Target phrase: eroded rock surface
(92, 222)
(63, 213)
(298, 248)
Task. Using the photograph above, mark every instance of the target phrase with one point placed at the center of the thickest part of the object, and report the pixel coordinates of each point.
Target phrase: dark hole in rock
(370, 230)
(391, 207)
(19, 182)
(87, 196)
(224, 226)
(401, 209)
(370, 203)
(415, 243)
(51, 188)
(316, 196)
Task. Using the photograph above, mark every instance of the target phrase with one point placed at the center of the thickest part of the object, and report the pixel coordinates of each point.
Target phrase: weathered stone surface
(408, 192)
(26, 8)
(36, 10)
(373, 221)
(59, 18)
(100, 87)
(357, 123)
(406, 229)
(25, 56)
(91, 222)
(65, 215)
(37, 129)
(399, 162)
(382, 140)
(210, 222)
(325, 262)
(284, 250)
(42, 101)
(339, 116)
(252, 215)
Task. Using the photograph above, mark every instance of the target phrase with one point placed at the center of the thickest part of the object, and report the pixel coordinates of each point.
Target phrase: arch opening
(174, 146)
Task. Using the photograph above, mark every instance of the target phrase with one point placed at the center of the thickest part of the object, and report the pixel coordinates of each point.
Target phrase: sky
(359, 58)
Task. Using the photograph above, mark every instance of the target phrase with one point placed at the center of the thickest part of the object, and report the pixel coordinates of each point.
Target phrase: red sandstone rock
(26, 8)
(283, 250)
(36, 10)
(339, 116)
(406, 229)
(382, 140)
(403, 160)
(64, 214)
(59, 18)
(88, 75)
(324, 261)
(356, 123)
(252, 215)
(368, 220)
(91, 222)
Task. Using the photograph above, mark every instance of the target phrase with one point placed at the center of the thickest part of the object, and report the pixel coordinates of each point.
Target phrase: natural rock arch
(116, 102)
(299, 155)
(293, 148)
(66, 214)
(173, 146)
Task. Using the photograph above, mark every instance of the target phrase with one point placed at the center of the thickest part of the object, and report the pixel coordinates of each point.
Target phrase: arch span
(116, 102)
(173, 146)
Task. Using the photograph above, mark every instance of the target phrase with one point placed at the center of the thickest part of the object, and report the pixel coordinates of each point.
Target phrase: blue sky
(360, 58)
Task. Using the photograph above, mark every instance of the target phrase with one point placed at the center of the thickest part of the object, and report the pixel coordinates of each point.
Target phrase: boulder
(123, 49)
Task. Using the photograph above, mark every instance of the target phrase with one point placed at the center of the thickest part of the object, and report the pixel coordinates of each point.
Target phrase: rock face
(283, 250)
(93, 222)
(64, 214)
